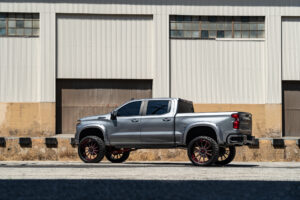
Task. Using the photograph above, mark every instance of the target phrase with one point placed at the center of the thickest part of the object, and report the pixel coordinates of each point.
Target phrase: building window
(19, 24)
(212, 27)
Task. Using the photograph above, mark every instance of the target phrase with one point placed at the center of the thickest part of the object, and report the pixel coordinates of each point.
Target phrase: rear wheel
(226, 155)
(203, 151)
(115, 155)
(91, 149)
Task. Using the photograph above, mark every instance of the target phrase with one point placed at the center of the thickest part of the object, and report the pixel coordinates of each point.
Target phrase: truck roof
(164, 98)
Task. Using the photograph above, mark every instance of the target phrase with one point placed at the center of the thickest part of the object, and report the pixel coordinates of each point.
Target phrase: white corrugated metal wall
(220, 71)
(45, 74)
(290, 48)
(19, 66)
(104, 46)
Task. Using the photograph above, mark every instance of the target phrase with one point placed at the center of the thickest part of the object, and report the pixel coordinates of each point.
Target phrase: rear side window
(185, 107)
(157, 107)
(131, 109)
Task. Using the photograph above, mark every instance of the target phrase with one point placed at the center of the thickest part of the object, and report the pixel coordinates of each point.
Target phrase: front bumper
(240, 139)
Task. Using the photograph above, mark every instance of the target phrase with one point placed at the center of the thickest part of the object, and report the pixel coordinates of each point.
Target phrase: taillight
(236, 122)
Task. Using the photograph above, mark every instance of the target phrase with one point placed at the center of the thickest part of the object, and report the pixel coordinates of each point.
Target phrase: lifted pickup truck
(210, 138)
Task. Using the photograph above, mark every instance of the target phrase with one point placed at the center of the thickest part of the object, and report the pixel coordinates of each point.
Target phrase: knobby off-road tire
(116, 155)
(226, 155)
(203, 151)
(91, 149)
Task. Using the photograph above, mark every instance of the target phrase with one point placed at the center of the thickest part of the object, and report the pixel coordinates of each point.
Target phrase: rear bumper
(240, 139)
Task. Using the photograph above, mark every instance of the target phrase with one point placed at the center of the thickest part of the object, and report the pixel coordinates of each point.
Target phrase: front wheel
(203, 151)
(117, 155)
(226, 155)
(91, 149)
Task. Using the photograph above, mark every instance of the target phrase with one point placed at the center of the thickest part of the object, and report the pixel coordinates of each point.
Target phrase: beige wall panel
(290, 48)
(99, 46)
(266, 117)
(218, 71)
(27, 119)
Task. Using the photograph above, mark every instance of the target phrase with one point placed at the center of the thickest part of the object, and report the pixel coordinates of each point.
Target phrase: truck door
(157, 123)
(126, 127)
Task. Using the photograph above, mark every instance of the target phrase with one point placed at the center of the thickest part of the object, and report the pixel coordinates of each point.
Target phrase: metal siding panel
(110, 49)
(42, 78)
(230, 71)
(19, 63)
(291, 48)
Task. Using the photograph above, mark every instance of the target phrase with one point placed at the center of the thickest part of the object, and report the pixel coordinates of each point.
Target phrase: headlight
(78, 122)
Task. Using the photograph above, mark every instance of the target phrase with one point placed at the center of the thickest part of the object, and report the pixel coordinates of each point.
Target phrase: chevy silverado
(210, 138)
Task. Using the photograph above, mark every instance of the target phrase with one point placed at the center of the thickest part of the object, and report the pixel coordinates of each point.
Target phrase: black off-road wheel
(203, 151)
(117, 155)
(226, 155)
(91, 149)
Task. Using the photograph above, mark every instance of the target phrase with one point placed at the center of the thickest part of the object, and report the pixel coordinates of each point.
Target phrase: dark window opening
(131, 109)
(157, 107)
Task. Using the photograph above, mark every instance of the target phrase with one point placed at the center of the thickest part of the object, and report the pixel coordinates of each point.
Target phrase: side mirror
(113, 115)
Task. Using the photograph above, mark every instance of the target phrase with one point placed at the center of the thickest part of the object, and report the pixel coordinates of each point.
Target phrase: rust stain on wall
(27, 119)
(267, 118)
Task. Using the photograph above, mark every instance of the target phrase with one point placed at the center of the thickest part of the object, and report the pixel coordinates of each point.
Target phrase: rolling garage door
(291, 75)
(77, 98)
(291, 104)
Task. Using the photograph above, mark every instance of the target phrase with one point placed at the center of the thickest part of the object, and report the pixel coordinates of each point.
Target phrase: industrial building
(62, 60)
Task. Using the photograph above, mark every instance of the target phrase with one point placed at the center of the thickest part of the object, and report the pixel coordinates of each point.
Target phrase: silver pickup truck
(210, 138)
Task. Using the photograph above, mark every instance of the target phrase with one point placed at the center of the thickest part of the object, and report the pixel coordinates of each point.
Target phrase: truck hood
(96, 118)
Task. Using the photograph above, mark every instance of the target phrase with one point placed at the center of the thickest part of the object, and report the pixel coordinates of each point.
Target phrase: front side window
(157, 107)
(130, 109)
(19, 24)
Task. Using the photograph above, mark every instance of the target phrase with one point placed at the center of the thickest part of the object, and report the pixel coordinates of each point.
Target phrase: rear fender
(203, 124)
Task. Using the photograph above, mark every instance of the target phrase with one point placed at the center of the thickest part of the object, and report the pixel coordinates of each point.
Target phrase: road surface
(148, 180)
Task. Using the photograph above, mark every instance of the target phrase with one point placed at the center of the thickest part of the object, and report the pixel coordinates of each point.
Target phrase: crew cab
(210, 138)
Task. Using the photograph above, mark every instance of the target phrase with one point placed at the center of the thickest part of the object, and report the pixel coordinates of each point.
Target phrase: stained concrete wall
(38, 119)
(267, 118)
(27, 119)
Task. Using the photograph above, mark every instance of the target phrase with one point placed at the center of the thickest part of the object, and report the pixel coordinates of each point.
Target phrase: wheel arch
(201, 129)
(93, 130)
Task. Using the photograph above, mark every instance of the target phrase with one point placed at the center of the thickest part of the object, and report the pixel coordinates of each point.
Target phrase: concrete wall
(27, 119)
(267, 118)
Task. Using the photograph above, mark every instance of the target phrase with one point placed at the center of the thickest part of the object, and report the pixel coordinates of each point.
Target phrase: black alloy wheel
(226, 155)
(91, 149)
(203, 151)
(115, 155)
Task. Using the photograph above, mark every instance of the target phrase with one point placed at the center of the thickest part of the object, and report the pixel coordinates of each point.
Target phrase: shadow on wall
(147, 189)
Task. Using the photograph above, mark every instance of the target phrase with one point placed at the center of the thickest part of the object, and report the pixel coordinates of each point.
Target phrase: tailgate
(245, 123)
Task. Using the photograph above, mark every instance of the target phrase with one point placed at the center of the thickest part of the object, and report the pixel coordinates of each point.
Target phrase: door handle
(135, 120)
(166, 119)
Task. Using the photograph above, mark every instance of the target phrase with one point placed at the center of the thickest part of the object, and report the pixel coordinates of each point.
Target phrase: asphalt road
(148, 180)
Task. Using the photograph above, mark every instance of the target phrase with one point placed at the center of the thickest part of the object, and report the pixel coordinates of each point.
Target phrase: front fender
(81, 128)
(202, 124)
